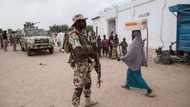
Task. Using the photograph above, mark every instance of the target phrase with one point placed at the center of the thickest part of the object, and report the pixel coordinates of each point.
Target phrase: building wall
(103, 22)
(161, 22)
(152, 9)
(100, 23)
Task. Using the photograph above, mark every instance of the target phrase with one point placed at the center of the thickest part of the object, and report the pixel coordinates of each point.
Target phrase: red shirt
(105, 43)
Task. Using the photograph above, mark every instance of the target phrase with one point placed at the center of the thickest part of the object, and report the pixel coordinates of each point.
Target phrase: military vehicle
(35, 39)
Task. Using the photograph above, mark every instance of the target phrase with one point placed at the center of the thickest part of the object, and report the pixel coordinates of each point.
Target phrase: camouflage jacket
(83, 49)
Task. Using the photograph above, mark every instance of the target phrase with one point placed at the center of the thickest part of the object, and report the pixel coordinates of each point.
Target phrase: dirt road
(24, 82)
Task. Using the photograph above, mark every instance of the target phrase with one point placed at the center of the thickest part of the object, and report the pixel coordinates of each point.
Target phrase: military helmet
(78, 17)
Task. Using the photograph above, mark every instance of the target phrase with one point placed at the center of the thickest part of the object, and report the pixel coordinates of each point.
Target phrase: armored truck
(35, 39)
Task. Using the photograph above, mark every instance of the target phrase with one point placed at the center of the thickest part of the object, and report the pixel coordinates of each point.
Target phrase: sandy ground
(26, 83)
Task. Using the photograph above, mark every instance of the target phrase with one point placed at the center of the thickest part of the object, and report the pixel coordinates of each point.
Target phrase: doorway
(111, 26)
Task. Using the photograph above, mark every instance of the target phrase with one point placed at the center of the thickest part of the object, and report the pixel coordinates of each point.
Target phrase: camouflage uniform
(82, 64)
(82, 79)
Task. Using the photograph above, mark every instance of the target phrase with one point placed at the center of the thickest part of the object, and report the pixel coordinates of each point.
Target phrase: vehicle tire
(51, 50)
(29, 52)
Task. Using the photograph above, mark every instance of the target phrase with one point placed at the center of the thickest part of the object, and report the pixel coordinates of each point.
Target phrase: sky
(14, 13)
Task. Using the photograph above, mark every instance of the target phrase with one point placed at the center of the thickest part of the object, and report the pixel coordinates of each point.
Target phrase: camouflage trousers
(81, 81)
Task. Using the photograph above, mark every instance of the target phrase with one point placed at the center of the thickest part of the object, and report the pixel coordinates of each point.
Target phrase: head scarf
(135, 57)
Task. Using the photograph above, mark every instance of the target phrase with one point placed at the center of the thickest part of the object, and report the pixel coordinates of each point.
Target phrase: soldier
(83, 58)
(124, 45)
(5, 40)
(1, 39)
(14, 40)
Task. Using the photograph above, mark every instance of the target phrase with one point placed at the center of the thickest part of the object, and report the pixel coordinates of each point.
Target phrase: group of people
(5, 40)
(108, 47)
(84, 56)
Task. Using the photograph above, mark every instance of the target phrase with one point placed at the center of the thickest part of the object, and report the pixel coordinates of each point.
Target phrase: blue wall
(183, 26)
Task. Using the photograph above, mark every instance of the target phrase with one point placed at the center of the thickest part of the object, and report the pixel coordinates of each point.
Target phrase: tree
(89, 28)
(64, 28)
(59, 28)
(70, 29)
(53, 28)
(9, 30)
(1, 30)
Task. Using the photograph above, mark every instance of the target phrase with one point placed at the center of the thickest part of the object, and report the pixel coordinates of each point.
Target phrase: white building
(161, 22)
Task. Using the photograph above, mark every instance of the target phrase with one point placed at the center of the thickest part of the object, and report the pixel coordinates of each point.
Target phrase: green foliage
(9, 30)
(70, 29)
(89, 28)
(59, 28)
(66, 28)
(1, 30)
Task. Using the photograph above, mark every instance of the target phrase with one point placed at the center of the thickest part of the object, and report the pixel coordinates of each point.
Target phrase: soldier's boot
(89, 102)
(76, 106)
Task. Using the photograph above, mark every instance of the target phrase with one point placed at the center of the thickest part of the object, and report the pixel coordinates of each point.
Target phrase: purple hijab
(135, 56)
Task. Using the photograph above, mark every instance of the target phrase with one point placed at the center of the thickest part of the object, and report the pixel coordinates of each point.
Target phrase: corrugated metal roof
(180, 8)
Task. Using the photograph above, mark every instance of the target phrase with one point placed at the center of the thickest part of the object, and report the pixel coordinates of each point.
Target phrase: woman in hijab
(135, 58)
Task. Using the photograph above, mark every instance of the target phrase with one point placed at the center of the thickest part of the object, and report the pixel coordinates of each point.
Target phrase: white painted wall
(158, 29)
(154, 22)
